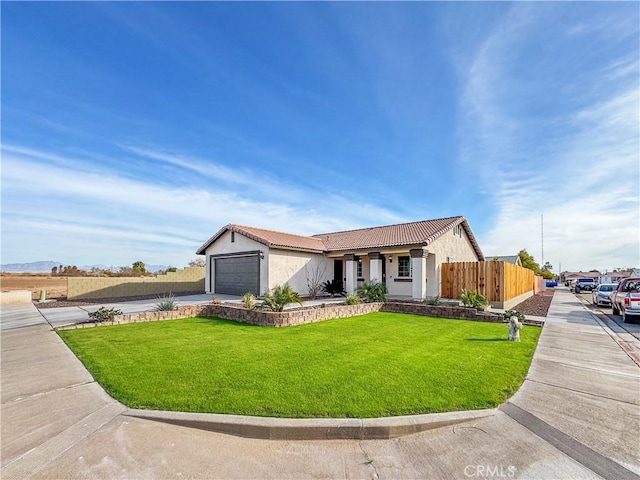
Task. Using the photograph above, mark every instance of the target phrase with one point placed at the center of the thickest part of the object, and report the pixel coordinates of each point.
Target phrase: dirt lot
(56, 287)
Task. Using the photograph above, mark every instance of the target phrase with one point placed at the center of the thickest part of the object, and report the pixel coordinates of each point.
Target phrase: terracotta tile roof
(270, 238)
(404, 234)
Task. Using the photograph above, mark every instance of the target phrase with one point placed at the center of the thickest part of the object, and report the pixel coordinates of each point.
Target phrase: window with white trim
(404, 267)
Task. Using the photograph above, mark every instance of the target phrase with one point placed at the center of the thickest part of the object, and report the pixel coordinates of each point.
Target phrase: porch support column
(351, 273)
(375, 266)
(419, 266)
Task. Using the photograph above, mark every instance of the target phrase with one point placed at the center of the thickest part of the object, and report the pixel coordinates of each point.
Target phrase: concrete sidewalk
(583, 384)
(49, 400)
(576, 416)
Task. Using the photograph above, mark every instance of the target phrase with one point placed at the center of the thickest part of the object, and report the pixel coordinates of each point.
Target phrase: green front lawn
(380, 364)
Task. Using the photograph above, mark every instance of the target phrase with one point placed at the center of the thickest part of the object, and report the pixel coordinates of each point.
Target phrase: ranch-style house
(406, 257)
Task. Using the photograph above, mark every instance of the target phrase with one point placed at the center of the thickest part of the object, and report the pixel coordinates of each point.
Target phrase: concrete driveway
(577, 415)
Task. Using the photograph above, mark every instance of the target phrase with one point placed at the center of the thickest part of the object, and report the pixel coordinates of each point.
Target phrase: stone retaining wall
(289, 318)
(462, 313)
(299, 316)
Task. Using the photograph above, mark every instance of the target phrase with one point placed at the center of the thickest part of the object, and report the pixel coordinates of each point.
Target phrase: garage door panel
(237, 275)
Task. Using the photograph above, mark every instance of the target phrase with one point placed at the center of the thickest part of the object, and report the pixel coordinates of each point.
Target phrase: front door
(337, 272)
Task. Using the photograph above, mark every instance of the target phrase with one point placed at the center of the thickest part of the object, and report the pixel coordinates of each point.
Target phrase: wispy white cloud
(581, 169)
(47, 196)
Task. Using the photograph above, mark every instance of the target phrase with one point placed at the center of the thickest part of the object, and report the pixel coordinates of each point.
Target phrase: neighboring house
(406, 257)
(616, 277)
(514, 259)
(567, 276)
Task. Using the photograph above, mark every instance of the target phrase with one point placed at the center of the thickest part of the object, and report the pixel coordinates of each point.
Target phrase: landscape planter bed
(299, 316)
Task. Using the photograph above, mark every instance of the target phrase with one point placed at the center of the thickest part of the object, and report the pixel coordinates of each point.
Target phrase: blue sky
(134, 131)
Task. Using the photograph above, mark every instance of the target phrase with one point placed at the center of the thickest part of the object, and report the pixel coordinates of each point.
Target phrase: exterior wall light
(390, 258)
(261, 255)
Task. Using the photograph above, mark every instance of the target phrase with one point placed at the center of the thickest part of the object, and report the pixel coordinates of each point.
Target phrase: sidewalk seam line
(20, 398)
(583, 392)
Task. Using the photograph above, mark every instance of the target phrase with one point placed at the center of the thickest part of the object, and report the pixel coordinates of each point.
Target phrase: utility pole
(542, 237)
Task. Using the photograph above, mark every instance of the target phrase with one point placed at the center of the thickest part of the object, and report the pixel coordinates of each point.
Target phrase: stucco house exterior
(406, 257)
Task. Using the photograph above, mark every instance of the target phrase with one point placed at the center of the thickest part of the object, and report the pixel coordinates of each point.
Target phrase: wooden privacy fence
(498, 281)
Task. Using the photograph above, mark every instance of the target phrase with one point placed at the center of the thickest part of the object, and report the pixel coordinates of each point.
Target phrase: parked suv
(584, 284)
(626, 299)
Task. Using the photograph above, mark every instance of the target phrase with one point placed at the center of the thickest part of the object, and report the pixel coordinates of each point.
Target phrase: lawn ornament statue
(514, 329)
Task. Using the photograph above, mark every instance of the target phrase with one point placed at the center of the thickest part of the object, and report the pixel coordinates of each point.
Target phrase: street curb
(312, 428)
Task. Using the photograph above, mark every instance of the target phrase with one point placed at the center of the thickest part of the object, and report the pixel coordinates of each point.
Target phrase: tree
(528, 261)
(547, 267)
(54, 271)
(197, 262)
(139, 268)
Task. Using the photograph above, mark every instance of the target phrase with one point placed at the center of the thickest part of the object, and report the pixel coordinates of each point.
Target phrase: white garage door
(237, 275)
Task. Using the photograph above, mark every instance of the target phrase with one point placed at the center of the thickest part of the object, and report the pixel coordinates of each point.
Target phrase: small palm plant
(279, 297)
(333, 287)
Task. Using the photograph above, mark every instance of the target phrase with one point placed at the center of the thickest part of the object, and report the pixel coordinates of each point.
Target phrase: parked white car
(601, 295)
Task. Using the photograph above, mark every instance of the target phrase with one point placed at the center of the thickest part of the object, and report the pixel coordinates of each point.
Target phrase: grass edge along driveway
(375, 365)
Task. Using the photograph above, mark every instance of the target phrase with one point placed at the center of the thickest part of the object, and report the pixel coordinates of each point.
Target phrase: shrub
(333, 287)
(373, 292)
(104, 314)
(167, 303)
(249, 300)
(279, 297)
(513, 313)
(473, 298)
(352, 300)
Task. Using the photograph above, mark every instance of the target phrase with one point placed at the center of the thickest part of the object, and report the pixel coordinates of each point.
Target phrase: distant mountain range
(45, 266)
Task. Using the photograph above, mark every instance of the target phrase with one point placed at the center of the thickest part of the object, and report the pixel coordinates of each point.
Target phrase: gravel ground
(537, 305)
